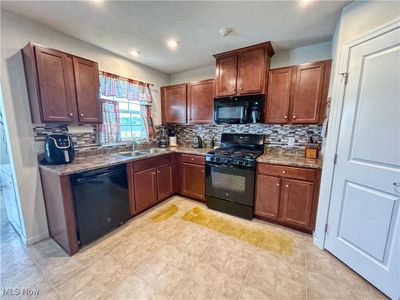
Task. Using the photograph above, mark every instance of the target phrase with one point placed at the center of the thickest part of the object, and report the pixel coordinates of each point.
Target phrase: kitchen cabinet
(252, 69)
(278, 96)
(268, 193)
(201, 102)
(153, 181)
(297, 94)
(226, 76)
(287, 195)
(242, 71)
(193, 176)
(62, 88)
(87, 90)
(173, 104)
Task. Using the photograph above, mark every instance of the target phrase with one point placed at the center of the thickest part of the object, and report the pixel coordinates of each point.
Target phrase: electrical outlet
(291, 141)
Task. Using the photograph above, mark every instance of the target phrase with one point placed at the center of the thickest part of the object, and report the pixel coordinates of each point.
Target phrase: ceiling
(123, 26)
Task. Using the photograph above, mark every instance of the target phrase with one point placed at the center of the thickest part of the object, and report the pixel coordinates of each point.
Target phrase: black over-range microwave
(239, 109)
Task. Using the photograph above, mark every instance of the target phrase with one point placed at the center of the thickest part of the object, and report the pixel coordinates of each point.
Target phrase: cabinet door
(173, 104)
(297, 197)
(145, 186)
(307, 93)
(164, 182)
(251, 65)
(56, 85)
(193, 181)
(278, 96)
(87, 90)
(267, 196)
(201, 102)
(226, 76)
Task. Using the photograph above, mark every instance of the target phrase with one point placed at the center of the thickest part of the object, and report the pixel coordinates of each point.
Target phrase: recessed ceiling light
(304, 3)
(98, 2)
(173, 44)
(134, 53)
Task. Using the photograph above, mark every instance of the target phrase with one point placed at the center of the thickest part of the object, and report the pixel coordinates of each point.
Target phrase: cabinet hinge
(344, 76)
(335, 159)
(326, 228)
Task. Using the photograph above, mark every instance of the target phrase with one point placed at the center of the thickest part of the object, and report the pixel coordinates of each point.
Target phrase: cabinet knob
(158, 172)
(71, 114)
(277, 184)
(285, 117)
(81, 115)
(283, 172)
(202, 171)
(192, 159)
(294, 117)
(240, 88)
(287, 185)
(154, 173)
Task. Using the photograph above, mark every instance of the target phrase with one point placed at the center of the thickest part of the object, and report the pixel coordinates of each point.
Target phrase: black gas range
(230, 174)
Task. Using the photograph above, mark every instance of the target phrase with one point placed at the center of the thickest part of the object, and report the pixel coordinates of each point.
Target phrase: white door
(364, 219)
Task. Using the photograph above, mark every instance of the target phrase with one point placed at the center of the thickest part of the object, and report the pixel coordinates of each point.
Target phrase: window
(131, 123)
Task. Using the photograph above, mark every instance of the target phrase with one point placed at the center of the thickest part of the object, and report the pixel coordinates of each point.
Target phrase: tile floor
(172, 258)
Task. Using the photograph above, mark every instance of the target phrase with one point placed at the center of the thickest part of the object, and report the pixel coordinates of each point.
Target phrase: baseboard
(36, 238)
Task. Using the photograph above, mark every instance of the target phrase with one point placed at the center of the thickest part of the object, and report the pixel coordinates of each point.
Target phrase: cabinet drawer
(151, 162)
(193, 159)
(285, 171)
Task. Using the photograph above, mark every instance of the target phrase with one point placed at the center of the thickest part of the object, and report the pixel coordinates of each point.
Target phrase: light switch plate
(291, 141)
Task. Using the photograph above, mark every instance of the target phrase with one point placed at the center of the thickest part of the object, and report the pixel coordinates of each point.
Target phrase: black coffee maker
(59, 149)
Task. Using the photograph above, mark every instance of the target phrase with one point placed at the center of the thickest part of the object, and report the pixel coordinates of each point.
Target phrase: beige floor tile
(289, 289)
(237, 268)
(78, 283)
(262, 275)
(191, 290)
(250, 292)
(170, 280)
(321, 286)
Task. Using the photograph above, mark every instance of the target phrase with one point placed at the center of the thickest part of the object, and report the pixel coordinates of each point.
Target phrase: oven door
(231, 111)
(231, 183)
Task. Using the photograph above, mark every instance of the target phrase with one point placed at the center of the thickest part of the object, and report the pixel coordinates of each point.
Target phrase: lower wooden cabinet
(193, 176)
(152, 180)
(287, 195)
(145, 186)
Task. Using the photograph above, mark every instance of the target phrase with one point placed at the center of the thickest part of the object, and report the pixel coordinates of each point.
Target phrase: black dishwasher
(101, 200)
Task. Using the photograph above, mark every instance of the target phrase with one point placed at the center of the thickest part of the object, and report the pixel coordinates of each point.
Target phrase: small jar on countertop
(312, 148)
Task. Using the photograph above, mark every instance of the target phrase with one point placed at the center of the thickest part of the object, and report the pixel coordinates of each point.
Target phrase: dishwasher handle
(100, 173)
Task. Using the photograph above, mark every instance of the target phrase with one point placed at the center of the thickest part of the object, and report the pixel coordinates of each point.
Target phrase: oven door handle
(221, 166)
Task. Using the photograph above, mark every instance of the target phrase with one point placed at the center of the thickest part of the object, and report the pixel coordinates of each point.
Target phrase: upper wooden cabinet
(173, 104)
(242, 71)
(201, 102)
(87, 90)
(298, 94)
(62, 88)
(191, 103)
(278, 96)
(226, 76)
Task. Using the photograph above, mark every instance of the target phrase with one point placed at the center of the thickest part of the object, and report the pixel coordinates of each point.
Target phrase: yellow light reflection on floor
(165, 213)
(262, 238)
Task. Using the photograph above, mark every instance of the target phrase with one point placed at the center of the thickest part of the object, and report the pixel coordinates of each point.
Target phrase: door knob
(396, 184)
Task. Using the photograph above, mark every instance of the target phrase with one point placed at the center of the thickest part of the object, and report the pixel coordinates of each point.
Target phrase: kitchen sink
(153, 150)
(133, 153)
(138, 153)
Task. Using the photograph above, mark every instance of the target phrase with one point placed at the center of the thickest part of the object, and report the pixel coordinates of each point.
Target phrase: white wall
(297, 56)
(315, 52)
(16, 32)
(193, 75)
(357, 18)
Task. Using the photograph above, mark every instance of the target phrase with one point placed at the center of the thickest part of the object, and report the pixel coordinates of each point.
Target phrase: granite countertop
(88, 163)
(294, 158)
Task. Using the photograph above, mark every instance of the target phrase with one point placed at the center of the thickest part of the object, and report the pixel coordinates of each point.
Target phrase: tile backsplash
(276, 135)
(86, 140)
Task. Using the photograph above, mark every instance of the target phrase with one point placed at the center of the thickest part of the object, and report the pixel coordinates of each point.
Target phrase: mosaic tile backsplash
(276, 135)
